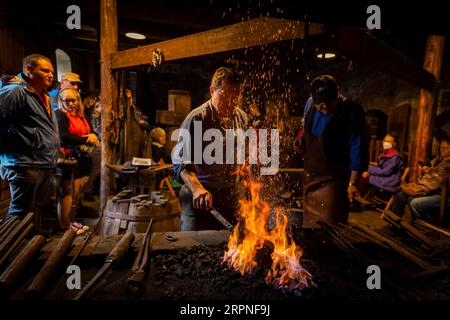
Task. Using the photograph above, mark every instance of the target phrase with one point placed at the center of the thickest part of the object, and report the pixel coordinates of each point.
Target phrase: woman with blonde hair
(77, 138)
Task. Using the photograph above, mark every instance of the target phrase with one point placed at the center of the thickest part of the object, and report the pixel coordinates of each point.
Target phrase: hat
(323, 88)
(72, 77)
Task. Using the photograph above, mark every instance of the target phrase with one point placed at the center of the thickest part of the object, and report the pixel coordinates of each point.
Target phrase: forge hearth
(198, 272)
(188, 266)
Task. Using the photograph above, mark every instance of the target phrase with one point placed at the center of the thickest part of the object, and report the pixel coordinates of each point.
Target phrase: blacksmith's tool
(42, 280)
(430, 226)
(13, 234)
(428, 268)
(58, 292)
(430, 244)
(114, 257)
(17, 243)
(221, 219)
(6, 224)
(135, 282)
(345, 245)
(21, 261)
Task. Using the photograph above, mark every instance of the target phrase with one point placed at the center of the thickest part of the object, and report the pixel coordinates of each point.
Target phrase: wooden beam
(108, 91)
(421, 148)
(236, 36)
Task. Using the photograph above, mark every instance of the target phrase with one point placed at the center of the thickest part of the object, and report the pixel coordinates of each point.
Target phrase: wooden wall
(11, 49)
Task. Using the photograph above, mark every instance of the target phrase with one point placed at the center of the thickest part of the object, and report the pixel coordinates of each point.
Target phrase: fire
(252, 232)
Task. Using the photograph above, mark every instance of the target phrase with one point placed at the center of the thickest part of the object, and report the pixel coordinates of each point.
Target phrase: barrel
(134, 214)
(166, 216)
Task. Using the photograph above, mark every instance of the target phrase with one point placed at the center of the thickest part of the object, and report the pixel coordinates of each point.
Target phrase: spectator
(77, 138)
(430, 182)
(387, 175)
(29, 140)
(68, 80)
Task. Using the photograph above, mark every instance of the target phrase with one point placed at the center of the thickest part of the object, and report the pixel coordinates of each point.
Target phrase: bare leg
(65, 205)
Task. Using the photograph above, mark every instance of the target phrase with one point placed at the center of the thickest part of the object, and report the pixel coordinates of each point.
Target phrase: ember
(253, 231)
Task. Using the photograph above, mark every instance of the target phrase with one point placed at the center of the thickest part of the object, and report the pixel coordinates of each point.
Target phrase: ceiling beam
(242, 35)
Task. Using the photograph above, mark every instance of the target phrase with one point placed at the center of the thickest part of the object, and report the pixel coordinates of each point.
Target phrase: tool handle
(221, 219)
(135, 282)
(121, 248)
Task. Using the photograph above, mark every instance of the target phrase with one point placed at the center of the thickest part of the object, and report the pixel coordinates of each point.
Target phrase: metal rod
(21, 261)
(15, 233)
(16, 244)
(117, 253)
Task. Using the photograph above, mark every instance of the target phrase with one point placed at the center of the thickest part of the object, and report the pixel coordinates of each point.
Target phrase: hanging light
(134, 35)
(326, 55)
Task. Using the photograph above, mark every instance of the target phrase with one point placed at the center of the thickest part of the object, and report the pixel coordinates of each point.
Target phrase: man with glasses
(29, 141)
(207, 185)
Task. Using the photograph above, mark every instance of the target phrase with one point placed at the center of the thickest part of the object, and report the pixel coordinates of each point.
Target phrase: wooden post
(108, 90)
(421, 148)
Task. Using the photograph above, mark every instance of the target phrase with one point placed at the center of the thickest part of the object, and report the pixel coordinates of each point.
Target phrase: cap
(323, 88)
(72, 77)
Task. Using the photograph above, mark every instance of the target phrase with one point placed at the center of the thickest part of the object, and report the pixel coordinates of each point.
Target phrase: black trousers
(224, 201)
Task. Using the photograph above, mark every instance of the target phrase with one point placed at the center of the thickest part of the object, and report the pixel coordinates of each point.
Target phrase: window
(63, 63)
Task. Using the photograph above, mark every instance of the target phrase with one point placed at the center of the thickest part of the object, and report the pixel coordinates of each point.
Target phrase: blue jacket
(388, 174)
(28, 136)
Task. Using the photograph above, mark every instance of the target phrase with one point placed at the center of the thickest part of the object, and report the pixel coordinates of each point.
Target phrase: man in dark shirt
(209, 183)
(335, 146)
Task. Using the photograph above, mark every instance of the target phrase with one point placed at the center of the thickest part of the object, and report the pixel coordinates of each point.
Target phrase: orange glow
(243, 244)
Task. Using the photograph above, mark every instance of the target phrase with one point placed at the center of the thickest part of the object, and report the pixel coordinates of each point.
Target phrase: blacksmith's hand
(352, 191)
(202, 198)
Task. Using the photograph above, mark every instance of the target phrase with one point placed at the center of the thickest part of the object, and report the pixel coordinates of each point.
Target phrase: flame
(252, 231)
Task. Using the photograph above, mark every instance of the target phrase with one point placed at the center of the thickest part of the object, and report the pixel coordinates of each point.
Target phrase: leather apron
(324, 185)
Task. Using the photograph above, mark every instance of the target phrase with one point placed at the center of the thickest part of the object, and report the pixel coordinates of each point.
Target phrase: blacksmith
(335, 146)
(209, 184)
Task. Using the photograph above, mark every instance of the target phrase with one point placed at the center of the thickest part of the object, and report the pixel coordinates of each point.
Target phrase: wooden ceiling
(168, 19)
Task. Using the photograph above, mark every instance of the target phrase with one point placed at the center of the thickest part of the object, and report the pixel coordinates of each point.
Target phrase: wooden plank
(186, 239)
(124, 210)
(236, 36)
(103, 244)
(98, 245)
(108, 93)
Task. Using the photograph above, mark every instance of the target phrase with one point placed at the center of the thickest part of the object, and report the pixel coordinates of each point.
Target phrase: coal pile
(198, 273)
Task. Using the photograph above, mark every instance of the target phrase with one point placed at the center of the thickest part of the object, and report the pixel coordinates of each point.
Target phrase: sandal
(78, 228)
